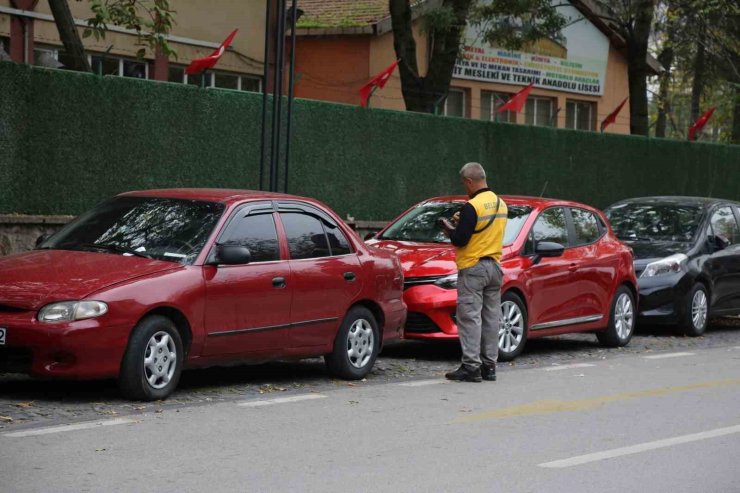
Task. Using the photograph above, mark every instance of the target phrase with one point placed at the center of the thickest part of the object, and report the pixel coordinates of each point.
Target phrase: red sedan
(148, 283)
(564, 271)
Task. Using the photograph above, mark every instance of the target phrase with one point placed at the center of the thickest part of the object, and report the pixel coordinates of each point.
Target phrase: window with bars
(580, 115)
(540, 112)
(490, 102)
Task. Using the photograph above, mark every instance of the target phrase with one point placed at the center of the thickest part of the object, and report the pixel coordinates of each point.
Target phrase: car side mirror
(547, 249)
(370, 236)
(42, 239)
(232, 255)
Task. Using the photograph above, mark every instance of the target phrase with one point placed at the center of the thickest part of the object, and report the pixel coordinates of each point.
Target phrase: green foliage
(151, 19)
(129, 134)
(513, 24)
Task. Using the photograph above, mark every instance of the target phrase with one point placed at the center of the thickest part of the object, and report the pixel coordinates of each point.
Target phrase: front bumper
(431, 312)
(662, 298)
(84, 349)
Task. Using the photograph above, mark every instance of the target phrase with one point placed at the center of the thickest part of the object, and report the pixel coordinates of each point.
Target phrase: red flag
(699, 124)
(377, 81)
(516, 102)
(612, 116)
(202, 64)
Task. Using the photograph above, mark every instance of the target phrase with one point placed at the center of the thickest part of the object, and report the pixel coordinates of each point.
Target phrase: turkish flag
(516, 102)
(612, 116)
(202, 64)
(377, 81)
(699, 124)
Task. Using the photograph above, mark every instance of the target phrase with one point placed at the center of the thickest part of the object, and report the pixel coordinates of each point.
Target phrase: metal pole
(265, 76)
(277, 101)
(291, 86)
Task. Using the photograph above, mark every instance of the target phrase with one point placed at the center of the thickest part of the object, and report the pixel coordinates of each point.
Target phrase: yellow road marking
(555, 406)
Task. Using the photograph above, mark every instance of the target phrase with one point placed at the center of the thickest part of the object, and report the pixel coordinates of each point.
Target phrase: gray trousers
(479, 312)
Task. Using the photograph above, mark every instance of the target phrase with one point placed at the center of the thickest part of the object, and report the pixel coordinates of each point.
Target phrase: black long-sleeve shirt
(460, 236)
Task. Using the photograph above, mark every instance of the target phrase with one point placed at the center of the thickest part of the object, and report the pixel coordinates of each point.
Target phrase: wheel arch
(182, 324)
(377, 312)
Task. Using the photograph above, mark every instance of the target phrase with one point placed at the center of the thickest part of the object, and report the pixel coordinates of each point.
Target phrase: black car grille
(15, 360)
(10, 309)
(419, 323)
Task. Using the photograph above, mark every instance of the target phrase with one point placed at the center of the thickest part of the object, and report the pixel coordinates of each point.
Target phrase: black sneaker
(463, 374)
(488, 372)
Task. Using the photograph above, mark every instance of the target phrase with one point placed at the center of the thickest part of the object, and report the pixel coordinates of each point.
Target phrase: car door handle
(278, 282)
(573, 267)
(350, 276)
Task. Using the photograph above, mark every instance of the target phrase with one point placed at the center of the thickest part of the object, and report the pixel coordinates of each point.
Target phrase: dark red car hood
(424, 259)
(31, 280)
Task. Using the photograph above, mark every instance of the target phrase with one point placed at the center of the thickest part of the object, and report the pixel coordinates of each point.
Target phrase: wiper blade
(110, 247)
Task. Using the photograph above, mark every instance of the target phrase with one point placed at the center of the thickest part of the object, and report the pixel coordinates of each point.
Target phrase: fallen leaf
(25, 404)
(6, 419)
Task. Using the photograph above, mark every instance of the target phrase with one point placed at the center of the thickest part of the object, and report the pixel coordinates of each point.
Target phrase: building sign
(574, 61)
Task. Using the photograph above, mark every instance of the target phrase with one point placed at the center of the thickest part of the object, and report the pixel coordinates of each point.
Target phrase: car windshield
(655, 222)
(174, 230)
(421, 224)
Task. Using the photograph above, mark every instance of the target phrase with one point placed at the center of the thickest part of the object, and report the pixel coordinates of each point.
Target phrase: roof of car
(675, 199)
(223, 195)
(512, 200)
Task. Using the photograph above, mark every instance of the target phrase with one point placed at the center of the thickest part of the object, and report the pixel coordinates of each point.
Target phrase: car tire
(622, 318)
(696, 311)
(356, 345)
(514, 328)
(149, 370)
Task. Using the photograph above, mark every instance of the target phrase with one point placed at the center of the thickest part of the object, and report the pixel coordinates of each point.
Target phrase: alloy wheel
(624, 316)
(699, 309)
(160, 360)
(511, 330)
(360, 343)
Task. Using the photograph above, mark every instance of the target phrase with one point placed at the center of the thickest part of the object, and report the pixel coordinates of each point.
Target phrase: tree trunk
(736, 118)
(697, 86)
(69, 35)
(664, 105)
(665, 58)
(637, 68)
(423, 93)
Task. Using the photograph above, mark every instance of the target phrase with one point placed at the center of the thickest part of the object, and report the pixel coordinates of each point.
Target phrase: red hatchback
(148, 283)
(564, 271)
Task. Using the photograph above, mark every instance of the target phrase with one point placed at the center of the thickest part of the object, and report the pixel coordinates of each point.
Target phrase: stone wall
(18, 233)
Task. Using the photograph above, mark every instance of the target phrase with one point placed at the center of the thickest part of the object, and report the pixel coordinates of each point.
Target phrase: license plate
(3, 332)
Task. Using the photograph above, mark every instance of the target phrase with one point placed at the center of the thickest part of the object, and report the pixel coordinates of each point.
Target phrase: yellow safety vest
(488, 237)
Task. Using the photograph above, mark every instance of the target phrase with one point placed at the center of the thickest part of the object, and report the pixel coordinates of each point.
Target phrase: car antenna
(544, 188)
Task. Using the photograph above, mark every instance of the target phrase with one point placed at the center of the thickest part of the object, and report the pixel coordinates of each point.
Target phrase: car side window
(724, 225)
(586, 226)
(306, 236)
(337, 241)
(550, 226)
(258, 233)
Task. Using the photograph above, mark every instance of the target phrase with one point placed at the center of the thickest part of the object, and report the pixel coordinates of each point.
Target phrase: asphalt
(626, 422)
(27, 402)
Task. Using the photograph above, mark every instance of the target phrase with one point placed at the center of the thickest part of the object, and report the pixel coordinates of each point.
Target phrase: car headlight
(447, 282)
(669, 265)
(67, 311)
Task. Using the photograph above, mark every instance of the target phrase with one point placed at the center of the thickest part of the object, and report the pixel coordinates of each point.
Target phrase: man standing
(478, 237)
